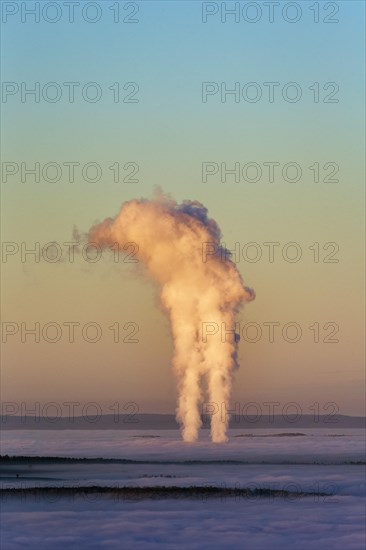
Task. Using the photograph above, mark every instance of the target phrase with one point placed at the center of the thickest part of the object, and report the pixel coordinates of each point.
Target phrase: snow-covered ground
(319, 461)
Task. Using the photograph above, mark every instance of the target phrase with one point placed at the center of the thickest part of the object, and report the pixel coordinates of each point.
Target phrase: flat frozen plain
(320, 461)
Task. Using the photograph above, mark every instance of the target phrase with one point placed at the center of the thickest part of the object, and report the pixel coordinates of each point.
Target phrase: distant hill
(168, 422)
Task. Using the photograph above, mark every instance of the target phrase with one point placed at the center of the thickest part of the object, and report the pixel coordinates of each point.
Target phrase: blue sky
(169, 53)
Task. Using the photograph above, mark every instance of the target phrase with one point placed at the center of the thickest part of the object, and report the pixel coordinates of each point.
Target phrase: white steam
(195, 289)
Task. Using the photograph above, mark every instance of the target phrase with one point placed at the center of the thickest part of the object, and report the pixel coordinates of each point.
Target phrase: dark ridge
(158, 492)
(151, 421)
(7, 460)
(145, 436)
(290, 434)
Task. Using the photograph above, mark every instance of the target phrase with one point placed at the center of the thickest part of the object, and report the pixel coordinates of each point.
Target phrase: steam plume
(194, 290)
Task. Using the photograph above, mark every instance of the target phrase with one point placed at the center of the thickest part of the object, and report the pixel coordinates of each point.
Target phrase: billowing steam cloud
(195, 289)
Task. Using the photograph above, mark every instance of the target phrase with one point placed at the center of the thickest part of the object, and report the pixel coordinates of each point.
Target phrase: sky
(151, 112)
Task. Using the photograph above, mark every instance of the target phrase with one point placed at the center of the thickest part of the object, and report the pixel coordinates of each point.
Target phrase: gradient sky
(169, 133)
